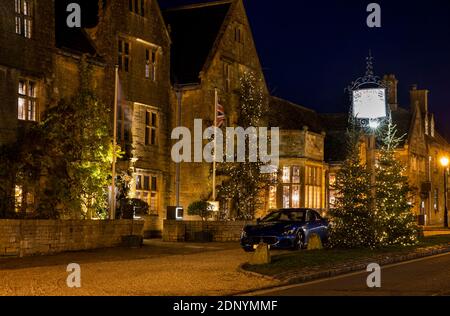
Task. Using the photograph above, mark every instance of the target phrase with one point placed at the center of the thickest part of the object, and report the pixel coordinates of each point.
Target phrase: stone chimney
(419, 97)
(392, 84)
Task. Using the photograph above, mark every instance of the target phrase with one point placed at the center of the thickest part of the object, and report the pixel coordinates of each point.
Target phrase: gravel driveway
(158, 268)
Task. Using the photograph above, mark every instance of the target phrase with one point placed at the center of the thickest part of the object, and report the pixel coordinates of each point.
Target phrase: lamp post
(445, 162)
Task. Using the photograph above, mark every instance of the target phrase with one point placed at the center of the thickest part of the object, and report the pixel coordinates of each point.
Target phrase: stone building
(303, 171)
(38, 68)
(132, 35)
(171, 64)
(27, 41)
(212, 47)
(421, 149)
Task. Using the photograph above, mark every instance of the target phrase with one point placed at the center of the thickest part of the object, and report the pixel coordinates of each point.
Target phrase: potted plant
(204, 210)
(130, 208)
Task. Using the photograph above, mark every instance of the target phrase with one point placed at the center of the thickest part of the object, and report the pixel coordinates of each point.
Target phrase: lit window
(295, 196)
(27, 101)
(295, 174)
(286, 196)
(147, 191)
(273, 197)
(18, 197)
(313, 187)
(24, 17)
(286, 174)
(291, 188)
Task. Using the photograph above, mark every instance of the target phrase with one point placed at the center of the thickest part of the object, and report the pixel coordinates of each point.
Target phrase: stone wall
(176, 231)
(34, 237)
(152, 226)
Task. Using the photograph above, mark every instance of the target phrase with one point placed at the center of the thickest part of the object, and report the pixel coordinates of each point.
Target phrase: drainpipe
(178, 166)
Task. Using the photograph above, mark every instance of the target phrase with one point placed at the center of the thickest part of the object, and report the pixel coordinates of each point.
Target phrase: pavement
(422, 277)
(167, 269)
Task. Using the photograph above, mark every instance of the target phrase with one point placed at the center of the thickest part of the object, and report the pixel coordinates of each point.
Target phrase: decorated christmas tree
(244, 183)
(394, 215)
(353, 221)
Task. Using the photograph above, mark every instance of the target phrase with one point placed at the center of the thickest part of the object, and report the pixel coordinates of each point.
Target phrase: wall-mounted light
(444, 162)
(179, 213)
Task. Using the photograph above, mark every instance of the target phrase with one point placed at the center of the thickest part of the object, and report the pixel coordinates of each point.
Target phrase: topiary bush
(202, 209)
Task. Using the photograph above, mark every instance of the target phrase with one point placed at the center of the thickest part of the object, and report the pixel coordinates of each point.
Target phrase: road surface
(423, 277)
(173, 269)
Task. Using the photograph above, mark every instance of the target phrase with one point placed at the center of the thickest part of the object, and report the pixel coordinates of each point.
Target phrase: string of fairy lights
(373, 214)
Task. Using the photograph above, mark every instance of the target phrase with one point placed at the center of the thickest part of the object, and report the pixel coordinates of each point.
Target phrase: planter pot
(132, 241)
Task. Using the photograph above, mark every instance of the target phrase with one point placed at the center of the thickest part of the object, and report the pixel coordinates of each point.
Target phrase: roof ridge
(199, 5)
(295, 104)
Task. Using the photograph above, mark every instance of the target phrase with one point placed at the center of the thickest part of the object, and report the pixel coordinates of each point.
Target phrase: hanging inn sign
(368, 96)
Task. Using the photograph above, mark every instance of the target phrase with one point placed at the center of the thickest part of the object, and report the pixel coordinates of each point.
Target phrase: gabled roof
(76, 41)
(290, 116)
(193, 29)
(439, 140)
(402, 120)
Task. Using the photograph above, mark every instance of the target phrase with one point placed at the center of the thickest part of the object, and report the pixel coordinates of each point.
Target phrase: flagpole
(215, 145)
(113, 184)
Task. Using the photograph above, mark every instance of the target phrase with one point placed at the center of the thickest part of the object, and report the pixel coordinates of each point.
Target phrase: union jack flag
(220, 119)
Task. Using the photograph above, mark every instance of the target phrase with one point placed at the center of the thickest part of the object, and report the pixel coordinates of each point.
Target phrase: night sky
(312, 50)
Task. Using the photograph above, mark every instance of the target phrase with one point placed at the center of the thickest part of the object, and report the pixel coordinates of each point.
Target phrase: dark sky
(311, 50)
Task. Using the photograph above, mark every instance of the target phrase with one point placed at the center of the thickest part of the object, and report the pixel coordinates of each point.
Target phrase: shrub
(202, 209)
(132, 207)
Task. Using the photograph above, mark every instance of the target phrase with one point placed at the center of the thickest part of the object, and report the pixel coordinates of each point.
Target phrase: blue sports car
(285, 229)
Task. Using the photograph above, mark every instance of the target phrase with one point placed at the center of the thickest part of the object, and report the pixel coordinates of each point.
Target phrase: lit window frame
(147, 190)
(24, 18)
(291, 184)
(27, 100)
(313, 187)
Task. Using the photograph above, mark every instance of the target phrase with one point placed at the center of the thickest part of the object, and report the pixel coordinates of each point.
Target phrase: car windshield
(283, 216)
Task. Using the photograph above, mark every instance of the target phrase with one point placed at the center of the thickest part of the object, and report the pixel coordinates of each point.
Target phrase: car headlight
(289, 232)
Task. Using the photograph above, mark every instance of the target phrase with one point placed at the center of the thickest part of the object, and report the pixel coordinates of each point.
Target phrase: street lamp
(445, 162)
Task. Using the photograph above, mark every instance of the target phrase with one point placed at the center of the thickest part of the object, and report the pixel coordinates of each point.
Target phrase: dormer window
(137, 6)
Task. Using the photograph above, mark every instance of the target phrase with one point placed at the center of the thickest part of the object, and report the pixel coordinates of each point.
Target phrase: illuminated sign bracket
(368, 96)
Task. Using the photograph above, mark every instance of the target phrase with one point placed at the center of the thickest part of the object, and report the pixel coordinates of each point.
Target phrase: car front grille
(264, 239)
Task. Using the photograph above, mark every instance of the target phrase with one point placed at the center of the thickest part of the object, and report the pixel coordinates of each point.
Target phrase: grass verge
(299, 260)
